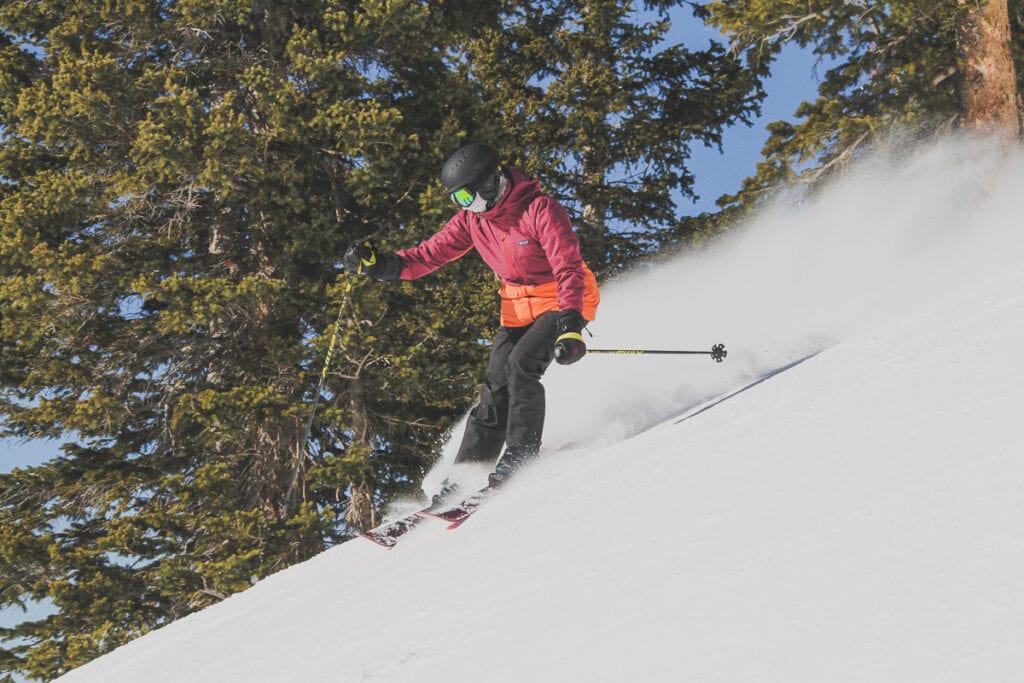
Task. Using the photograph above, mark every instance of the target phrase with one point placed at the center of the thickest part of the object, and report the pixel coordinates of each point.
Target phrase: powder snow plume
(793, 281)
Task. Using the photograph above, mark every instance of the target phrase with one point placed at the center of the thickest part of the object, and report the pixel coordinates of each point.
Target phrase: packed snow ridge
(855, 517)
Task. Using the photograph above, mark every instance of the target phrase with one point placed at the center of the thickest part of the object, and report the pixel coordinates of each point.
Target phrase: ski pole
(316, 399)
(717, 352)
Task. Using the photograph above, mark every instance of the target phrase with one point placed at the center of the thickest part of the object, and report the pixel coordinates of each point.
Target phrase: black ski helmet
(469, 166)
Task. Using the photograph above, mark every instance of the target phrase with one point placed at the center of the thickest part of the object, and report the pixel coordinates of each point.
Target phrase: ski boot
(510, 461)
(448, 489)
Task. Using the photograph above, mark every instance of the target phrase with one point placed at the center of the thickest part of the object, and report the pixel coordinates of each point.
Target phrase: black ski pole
(717, 352)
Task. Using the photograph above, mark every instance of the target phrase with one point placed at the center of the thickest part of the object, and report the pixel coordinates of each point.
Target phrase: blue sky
(793, 82)
(14, 453)
(795, 78)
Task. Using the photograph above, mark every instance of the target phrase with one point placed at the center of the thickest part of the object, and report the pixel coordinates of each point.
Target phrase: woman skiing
(547, 295)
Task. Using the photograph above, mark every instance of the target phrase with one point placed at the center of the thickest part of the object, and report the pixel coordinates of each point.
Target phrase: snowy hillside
(856, 517)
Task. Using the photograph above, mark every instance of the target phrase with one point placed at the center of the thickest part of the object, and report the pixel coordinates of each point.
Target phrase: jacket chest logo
(523, 243)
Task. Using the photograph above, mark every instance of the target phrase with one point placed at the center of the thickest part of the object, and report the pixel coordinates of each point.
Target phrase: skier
(548, 295)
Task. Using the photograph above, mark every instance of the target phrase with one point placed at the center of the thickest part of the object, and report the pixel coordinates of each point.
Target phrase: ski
(707, 405)
(458, 513)
(387, 534)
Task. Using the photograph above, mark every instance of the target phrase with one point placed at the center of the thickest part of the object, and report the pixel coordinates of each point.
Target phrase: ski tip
(387, 535)
(382, 541)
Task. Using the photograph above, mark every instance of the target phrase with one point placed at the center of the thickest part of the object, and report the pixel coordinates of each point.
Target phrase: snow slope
(856, 517)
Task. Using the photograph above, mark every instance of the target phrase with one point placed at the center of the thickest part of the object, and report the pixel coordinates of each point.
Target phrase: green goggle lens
(462, 197)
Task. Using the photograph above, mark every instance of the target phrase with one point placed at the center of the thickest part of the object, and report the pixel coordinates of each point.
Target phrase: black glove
(569, 346)
(363, 259)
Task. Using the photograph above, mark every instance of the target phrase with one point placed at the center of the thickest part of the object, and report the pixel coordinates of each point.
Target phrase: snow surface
(856, 517)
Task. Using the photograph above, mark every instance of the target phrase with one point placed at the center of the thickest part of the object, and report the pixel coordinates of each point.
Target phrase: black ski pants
(511, 407)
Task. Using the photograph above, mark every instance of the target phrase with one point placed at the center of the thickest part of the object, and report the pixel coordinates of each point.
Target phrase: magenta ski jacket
(527, 240)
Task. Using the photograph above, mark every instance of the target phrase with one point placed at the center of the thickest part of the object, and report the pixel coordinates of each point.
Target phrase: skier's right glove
(363, 259)
(569, 346)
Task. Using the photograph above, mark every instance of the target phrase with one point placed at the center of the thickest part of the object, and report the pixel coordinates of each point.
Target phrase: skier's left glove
(364, 259)
(569, 346)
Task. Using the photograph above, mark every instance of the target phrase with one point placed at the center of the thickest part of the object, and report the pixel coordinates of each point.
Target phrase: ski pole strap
(365, 263)
(717, 352)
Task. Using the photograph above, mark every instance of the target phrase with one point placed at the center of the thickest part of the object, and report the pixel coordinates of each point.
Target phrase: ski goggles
(463, 197)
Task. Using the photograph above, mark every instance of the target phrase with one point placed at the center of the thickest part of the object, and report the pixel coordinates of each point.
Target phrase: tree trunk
(989, 79)
(361, 512)
(593, 228)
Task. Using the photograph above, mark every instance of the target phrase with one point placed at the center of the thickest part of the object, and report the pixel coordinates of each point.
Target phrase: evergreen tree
(177, 182)
(895, 69)
(592, 99)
